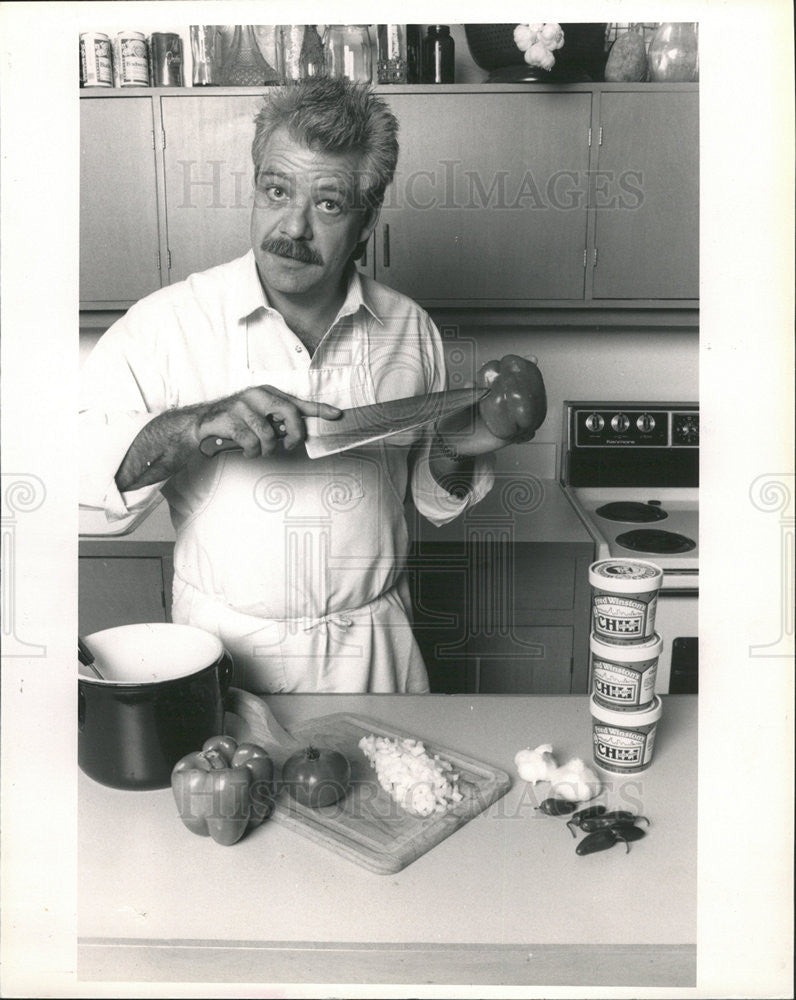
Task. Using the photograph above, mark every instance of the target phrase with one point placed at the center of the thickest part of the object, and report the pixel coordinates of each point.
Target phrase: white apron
(296, 564)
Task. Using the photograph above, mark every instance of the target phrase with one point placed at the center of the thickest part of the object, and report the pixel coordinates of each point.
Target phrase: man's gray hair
(337, 116)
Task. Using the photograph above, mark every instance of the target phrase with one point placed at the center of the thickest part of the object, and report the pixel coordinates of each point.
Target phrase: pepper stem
(312, 753)
(215, 760)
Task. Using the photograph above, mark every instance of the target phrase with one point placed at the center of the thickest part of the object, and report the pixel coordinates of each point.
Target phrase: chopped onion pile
(420, 784)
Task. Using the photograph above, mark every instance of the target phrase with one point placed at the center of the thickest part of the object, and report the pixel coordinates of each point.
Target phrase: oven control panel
(634, 426)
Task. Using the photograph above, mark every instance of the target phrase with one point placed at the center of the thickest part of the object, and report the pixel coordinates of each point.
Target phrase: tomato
(316, 776)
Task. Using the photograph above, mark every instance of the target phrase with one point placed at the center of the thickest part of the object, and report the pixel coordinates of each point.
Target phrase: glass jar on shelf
(673, 55)
(391, 47)
(291, 38)
(347, 52)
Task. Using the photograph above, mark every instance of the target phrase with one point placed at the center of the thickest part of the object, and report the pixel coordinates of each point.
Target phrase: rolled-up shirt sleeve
(121, 392)
(431, 499)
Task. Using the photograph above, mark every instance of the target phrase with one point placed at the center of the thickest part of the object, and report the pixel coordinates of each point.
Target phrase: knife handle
(212, 445)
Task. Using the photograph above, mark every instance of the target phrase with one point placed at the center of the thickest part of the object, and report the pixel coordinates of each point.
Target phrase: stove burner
(631, 510)
(654, 540)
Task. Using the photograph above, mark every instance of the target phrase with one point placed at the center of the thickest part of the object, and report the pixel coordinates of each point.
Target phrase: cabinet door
(646, 197)
(533, 660)
(490, 198)
(209, 179)
(119, 243)
(119, 591)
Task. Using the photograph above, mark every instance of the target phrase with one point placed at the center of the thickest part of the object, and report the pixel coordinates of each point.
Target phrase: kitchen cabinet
(501, 616)
(646, 197)
(119, 222)
(485, 197)
(564, 198)
(208, 179)
(123, 583)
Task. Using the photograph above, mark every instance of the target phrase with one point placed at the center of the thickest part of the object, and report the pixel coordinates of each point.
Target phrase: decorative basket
(582, 56)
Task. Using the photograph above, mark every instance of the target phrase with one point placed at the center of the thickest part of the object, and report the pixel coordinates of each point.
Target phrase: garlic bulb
(537, 42)
(535, 765)
(575, 781)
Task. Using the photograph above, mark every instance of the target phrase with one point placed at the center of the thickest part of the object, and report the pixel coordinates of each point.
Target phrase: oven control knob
(594, 422)
(620, 422)
(646, 423)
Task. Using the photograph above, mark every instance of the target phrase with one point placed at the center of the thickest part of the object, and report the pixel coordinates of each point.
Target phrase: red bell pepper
(517, 403)
(223, 789)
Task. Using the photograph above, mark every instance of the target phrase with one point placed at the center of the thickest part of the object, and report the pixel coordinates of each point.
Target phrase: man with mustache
(295, 564)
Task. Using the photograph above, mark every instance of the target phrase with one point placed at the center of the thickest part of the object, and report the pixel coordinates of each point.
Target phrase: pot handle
(226, 665)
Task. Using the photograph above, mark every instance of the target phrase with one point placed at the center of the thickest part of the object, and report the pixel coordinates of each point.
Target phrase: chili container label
(622, 749)
(624, 686)
(624, 616)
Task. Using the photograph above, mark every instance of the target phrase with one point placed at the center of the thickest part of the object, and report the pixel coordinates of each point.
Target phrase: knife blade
(362, 425)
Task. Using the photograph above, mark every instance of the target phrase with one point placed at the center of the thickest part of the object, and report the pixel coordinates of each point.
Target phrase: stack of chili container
(624, 660)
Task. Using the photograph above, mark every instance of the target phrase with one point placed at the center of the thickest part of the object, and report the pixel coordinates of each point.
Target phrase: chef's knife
(362, 425)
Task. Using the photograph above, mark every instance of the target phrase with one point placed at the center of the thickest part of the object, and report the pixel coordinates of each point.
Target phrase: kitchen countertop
(503, 901)
(531, 507)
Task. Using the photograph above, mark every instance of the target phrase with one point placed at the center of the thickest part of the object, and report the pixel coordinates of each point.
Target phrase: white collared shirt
(215, 334)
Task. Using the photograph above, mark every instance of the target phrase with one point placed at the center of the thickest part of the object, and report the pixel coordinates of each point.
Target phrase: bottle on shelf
(438, 55)
(413, 53)
(206, 55)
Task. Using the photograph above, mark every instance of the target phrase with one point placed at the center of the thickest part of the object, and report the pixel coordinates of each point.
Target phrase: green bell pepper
(224, 789)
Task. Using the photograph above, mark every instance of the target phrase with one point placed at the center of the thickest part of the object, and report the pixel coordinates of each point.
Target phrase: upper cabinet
(485, 207)
(120, 258)
(646, 197)
(208, 179)
(505, 196)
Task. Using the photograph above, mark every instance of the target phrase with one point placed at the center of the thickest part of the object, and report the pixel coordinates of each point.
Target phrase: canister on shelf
(166, 59)
(96, 60)
(131, 59)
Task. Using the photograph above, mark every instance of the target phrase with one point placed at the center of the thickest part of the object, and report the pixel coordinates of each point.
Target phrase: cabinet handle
(386, 247)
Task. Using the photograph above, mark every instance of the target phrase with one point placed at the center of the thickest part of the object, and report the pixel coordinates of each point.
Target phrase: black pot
(162, 697)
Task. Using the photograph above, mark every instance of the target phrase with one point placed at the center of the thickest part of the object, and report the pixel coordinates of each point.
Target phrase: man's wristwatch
(447, 451)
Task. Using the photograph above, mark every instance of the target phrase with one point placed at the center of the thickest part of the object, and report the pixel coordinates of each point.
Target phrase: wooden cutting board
(367, 826)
